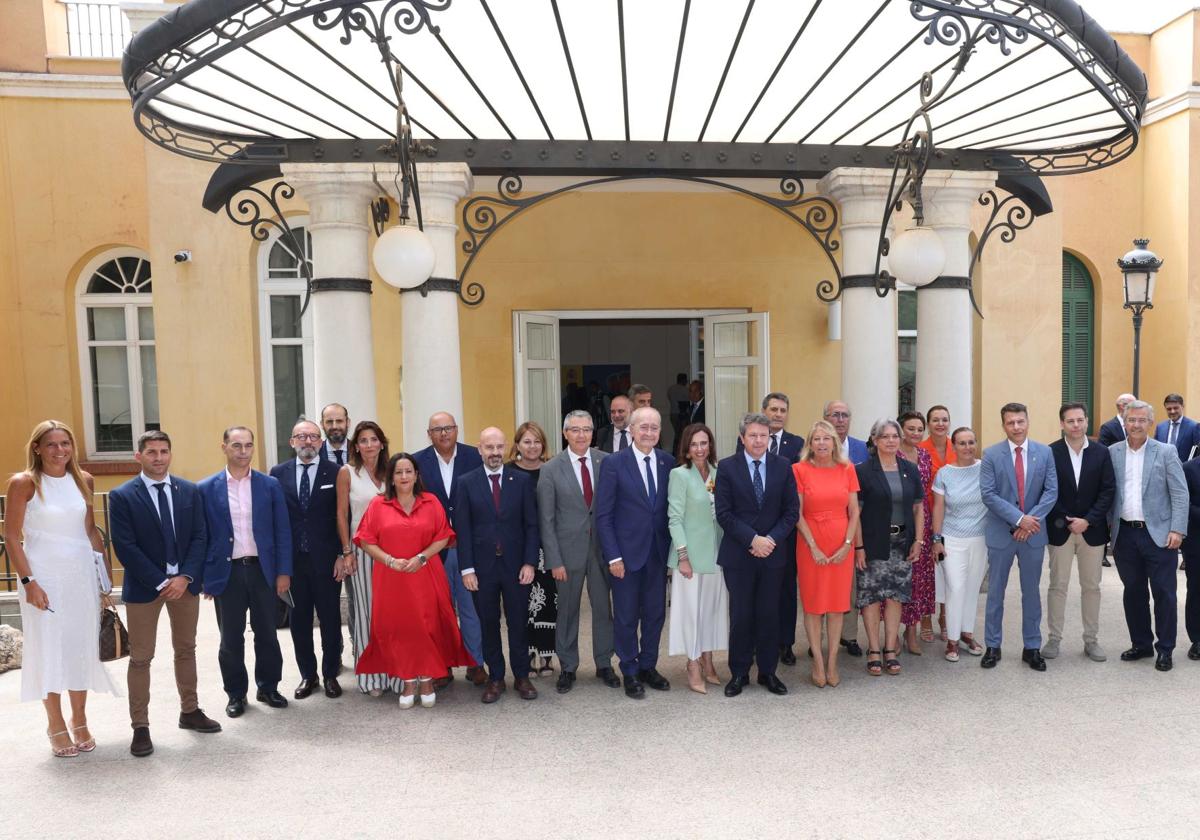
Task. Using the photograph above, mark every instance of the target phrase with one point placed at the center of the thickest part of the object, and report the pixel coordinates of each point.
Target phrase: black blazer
(604, 439)
(1091, 500)
(319, 520)
(742, 520)
(790, 446)
(1110, 433)
(875, 500)
(1191, 545)
(480, 531)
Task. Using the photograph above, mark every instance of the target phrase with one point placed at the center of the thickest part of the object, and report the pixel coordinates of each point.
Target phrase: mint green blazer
(690, 518)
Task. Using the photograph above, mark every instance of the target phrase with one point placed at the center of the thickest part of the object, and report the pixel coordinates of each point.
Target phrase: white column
(945, 317)
(432, 379)
(339, 197)
(870, 368)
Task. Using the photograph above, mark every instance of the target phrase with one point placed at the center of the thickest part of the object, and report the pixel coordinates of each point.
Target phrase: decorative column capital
(335, 192)
(951, 197)
(860, 193)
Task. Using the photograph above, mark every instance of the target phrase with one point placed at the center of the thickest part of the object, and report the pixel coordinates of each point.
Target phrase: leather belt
(249, 560)
(1132, 523)
(895, 530)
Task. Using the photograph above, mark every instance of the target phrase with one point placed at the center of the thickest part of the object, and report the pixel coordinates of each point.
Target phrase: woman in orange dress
(941, 452)
(828, 488)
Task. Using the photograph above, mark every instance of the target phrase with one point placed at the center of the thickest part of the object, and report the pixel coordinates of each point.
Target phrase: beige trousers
(142, 621)
(1090, 558)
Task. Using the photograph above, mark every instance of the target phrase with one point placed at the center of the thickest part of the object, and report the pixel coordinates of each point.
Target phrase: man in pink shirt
(249, 564)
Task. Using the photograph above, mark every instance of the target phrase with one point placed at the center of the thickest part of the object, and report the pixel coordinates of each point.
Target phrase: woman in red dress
(414, 633)
(828, 488)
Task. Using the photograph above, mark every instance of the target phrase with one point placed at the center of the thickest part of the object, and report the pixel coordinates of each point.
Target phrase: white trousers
(699, 614)
(964, 566)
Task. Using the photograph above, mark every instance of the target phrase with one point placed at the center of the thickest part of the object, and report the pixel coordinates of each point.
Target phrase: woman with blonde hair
(50, 533)
(828, 487)
(529, 451)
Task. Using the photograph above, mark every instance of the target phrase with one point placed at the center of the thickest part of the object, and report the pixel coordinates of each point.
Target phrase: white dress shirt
(1121, 426)
(651, 476)
(447, 469)
(575, 465)
(344, 449)
(1131, 496)
(616, 441)
(172, 569)
(1077, 458)
(846, 447)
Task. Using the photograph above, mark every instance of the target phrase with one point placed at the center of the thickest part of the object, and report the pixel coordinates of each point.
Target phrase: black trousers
(1191, 608)
(248, 590)
(753, 617)
(1141, 565)
(315, 590)
(497, 584)
(788, 601)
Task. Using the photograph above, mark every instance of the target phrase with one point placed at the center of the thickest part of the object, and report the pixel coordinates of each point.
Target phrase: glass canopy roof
(274, 80)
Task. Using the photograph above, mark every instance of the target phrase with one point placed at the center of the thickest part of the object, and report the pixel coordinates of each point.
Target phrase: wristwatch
(939, 539)
(423, 559)
(347, 551)
(25, 581)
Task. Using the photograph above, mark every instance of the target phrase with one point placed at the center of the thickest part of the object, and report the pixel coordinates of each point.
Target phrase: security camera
(183, 256)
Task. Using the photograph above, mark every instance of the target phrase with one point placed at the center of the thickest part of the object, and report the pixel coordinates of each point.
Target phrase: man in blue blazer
(1183, 432)
(496, 527)
(441, 465)
(837, 414)
(1019, 488)
(757, 507)
(157, 526)
(631, 517)
(309, 484)
(1149, 520)
(1191, 557)
(249, 566)
(1113, 429)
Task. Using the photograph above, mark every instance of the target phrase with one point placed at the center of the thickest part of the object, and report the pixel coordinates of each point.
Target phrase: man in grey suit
(1019, 486)
(1149, 521)
(571, 546)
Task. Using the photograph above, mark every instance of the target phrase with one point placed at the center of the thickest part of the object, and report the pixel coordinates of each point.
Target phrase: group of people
(435, 547)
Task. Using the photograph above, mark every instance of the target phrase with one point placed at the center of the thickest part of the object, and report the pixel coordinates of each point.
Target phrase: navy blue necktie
(759, 492)
(650, 489)
(774, 445)
(305, 493)
(340, 457)
(624, 440)
(166, 525)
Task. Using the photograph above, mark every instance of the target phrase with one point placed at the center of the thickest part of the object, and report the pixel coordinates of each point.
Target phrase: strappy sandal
(926, 634)
(61, 752)
(83, 746)
(874, 666)
(892, 665)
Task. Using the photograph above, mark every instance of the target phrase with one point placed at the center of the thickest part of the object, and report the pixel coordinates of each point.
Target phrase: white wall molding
(61, 86)
(1169, 106)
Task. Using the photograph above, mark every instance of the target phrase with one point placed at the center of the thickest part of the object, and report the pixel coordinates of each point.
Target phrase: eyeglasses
(1136, 421)
(441, 430)
(839, 415)
(579, 430)
(306, 437)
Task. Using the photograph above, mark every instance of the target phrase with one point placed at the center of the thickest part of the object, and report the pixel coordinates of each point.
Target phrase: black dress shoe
(1194, 651)
(990, 657)
(1106, 562)
(786, 656)
(633, 688)
(332, 688)
(305, 688)
(141, 746)
(1034, 659)
(1135, 653)
(734, 687)
(654, 679)
(272, 698)
(235, 707)
(608, 676)
(772, 684)
(1162, 662)
(566, 681)
(851, 646)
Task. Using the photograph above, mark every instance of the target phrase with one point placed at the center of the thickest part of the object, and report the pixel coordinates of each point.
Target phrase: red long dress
(414, 631)
(826, 492)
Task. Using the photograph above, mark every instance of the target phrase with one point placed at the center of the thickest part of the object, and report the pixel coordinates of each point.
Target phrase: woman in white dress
(358, 482)
(51, 536)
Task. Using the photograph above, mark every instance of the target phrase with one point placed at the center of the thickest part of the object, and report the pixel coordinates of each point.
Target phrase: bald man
(1113, 431)
(495, 519)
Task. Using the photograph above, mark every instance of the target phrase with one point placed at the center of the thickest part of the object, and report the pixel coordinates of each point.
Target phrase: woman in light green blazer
(699, 599)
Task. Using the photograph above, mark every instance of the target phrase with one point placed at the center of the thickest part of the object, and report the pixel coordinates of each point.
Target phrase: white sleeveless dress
(62, 648)
(358, 586)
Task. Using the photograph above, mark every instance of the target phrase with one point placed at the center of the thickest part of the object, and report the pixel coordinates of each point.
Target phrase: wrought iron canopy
(717, 87)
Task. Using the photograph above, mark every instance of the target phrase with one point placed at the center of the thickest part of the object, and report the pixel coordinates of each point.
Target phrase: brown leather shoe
(141, 746)
(493, 691)
(476, 675)
(525, 688)
(197, 721)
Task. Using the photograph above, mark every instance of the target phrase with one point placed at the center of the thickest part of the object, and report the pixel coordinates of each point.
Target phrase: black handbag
(114, 638)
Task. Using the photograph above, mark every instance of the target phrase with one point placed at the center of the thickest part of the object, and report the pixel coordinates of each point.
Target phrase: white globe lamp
(404, 256)
(917, 256)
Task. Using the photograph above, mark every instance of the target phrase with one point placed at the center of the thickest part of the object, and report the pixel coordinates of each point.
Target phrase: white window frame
(268, 287)
(130, 303)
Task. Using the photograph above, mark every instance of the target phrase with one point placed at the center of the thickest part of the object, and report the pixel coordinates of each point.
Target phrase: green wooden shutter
(1078, 322)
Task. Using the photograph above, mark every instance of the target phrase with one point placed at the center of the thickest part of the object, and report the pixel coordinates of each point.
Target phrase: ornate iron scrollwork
(1009, 216)
(245, 208)
(472, 294)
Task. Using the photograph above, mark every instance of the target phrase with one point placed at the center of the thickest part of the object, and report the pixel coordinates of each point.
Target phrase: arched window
(117, 365)
(287, 365)
(1078, 323)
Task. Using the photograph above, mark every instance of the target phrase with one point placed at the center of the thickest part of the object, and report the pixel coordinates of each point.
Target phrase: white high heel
(427, 700)
(407, 700)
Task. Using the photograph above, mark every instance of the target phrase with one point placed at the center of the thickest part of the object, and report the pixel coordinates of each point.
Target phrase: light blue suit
(998, 486)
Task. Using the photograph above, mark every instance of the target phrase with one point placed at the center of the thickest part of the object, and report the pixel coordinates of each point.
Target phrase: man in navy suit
(309, 485)
(631, 516)
(335, 422)
(496, 525)
(1191, 557)
(1113, 429)
(1019, 488)
(442, 464)
(757, 507)
(1078, 528)
(837, 414)
(1180, 431)
(248, 567)
(157, 526)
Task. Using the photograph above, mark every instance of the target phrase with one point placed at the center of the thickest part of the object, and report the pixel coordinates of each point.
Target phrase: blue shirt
(762, 466)
(965, 510)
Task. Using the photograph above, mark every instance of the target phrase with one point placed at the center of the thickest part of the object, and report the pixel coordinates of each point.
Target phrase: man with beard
(335, 420)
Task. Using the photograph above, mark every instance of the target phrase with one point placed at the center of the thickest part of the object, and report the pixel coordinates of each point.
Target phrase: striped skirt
(358, 586)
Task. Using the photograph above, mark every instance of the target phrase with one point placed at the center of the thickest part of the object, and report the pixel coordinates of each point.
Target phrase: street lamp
(1140, 267)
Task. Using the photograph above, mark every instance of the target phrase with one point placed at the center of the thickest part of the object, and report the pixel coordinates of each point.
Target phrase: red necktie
(496, 490)
(1019, 465)
(587, 481)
